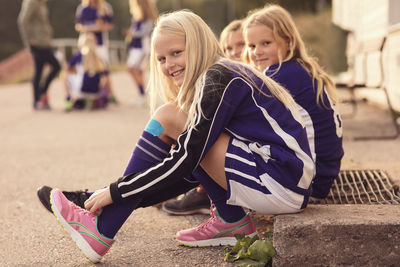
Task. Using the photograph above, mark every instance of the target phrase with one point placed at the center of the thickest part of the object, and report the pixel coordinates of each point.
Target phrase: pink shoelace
(78, 213)
(213, 213)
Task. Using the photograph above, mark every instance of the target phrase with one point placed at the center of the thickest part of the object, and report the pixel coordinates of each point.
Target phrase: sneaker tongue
(71, 196)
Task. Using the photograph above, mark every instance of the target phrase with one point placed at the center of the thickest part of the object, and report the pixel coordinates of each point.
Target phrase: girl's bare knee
(172, 120)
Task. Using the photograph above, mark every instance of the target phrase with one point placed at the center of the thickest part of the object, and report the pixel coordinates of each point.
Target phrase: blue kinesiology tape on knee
(154, 128)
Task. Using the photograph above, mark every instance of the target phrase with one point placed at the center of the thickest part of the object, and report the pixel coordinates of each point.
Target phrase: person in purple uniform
(224, 125)
(143, 14)
(96, 16)
(274, 46)
(85, 77)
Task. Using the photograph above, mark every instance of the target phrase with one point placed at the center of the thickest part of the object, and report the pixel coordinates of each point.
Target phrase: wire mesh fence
(361, 187)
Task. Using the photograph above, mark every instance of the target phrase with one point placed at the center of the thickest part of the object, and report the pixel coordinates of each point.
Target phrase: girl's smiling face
(170, 54)
(263, 48)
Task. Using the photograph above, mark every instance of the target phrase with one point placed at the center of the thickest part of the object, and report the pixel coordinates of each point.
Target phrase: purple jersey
(323, 123)
(88, 15)
(232, 104)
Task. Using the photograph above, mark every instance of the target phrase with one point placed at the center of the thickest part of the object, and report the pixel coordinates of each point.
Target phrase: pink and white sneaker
(81, 225)
(216, 232)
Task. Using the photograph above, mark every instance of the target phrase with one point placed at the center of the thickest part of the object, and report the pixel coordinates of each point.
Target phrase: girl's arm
(106, 21)
(94, 27)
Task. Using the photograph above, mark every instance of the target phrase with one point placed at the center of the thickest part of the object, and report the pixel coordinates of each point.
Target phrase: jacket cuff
(115, 195)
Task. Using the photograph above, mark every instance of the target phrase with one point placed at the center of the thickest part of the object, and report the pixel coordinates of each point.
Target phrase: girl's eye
(176, 53)
(251, 46)
(267, 43)
(161, 59)
(229, 48)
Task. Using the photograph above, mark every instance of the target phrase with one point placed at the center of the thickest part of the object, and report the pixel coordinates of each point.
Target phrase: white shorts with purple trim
(247, 188)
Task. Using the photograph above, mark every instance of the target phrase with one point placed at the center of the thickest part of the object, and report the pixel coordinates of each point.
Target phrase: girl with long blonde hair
(224, 125)
(196, 200)
(274, 45)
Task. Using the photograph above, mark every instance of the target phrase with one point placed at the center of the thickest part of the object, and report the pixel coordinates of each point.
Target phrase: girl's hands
(98, 200)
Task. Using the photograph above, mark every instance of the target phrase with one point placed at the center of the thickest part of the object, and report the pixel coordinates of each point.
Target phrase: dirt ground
(90, 149)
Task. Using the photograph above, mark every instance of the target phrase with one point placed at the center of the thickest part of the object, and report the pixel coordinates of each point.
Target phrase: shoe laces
(214, 216)
(81, 212)
(206, 223)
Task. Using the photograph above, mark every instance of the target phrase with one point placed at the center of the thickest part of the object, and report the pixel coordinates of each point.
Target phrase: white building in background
(372, 24)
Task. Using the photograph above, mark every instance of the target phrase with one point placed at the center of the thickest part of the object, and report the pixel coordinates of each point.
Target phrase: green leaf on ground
(249, 263)
(261, 250)
(251, 251)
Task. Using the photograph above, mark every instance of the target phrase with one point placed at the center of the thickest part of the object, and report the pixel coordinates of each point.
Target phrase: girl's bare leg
(137, 75)
(214, 162)
(173, 120)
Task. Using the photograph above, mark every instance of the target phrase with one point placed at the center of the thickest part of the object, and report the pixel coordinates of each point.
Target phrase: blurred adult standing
(36, 33)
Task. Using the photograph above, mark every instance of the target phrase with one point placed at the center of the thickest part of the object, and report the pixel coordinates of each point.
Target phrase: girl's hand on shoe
(98, 200)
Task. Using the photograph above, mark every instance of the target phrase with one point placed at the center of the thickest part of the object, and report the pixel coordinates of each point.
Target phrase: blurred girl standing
(144, 15)
(96, 16)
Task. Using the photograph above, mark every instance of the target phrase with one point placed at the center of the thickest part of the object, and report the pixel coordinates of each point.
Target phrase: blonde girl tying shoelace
(224, 125)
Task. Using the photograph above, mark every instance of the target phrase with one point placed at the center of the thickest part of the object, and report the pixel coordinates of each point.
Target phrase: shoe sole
(214, 242)
(205, 211)
(85, 248)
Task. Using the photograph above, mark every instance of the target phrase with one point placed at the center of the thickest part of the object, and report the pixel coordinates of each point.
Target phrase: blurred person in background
(36, 33)
(84, 79)
(232, 41)
(144, 14)
(96, 16)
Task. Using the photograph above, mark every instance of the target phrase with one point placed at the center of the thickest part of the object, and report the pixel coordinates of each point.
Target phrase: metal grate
(361, 187)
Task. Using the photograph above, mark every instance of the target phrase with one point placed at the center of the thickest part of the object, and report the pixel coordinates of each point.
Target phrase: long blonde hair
(91, 61)
(202, 50)
(101, 6)
(282, 25)
(143, 10)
